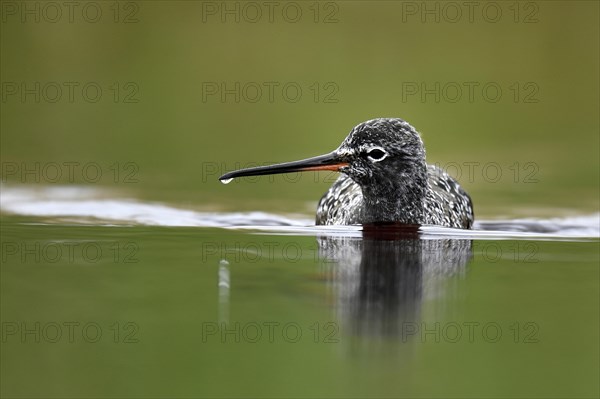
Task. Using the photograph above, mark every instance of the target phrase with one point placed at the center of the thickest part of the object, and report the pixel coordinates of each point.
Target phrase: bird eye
(376, 154)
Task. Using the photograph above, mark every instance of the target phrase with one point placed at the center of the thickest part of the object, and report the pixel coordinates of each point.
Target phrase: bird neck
(400, 198)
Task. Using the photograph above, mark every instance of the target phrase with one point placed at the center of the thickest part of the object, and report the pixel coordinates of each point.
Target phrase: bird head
(379, 153)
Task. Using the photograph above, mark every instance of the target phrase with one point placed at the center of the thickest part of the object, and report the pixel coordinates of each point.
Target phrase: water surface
(194, 303)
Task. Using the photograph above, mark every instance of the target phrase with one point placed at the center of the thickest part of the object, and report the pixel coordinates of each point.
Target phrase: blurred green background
(364, 58)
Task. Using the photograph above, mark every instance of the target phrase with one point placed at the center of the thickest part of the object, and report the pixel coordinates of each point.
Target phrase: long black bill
(329, 161)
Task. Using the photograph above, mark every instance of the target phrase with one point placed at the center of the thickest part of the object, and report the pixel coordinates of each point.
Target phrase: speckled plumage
(399, 187)
(384, 179)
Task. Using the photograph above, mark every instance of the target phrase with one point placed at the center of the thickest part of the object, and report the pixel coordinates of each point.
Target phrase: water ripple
(92, 206)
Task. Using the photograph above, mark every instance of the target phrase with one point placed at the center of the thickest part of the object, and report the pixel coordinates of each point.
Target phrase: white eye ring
(376, 154)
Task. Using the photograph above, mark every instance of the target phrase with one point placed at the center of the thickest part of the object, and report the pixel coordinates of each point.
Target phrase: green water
(520, 319)
(94, 310)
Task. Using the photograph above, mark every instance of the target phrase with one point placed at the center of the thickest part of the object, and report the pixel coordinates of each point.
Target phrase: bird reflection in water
(381, 279)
